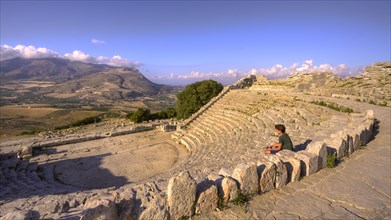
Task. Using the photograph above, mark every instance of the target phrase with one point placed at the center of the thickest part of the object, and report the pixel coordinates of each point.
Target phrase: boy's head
(280, 128)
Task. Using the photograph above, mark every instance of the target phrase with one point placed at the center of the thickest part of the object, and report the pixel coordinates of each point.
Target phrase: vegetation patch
(241, 200)
(331, 160)
(145, 115)
(196, 95)
(333, 106)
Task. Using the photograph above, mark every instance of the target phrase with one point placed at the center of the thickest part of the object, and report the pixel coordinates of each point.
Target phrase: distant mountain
(59, 78)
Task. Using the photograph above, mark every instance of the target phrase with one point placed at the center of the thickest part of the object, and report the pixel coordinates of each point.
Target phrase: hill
(55, 80)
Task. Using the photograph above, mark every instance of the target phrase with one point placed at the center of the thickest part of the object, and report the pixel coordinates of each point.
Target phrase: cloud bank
(277, 71)
(9, 52)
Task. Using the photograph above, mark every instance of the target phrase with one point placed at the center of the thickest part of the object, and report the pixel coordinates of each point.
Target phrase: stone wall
(185, 197)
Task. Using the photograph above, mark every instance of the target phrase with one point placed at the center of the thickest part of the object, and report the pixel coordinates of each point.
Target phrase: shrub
(331, 160)
(194, 96)
(140, 115)
(241, 200)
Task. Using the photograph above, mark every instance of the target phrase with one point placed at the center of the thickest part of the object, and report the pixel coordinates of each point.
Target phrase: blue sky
(176, 42)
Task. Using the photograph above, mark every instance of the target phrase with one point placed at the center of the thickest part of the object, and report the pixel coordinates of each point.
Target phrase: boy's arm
(277, 146)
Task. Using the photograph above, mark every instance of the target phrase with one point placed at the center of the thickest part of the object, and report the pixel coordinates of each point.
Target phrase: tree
(194, 96)
(140, 115)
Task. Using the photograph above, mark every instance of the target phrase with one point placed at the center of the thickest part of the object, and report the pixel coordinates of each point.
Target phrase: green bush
(144, 115)
(241, 200)
(333, 106)
(331, 160)
(194, 96)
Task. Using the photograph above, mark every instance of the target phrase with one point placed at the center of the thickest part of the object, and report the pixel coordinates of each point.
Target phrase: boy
(284, 141)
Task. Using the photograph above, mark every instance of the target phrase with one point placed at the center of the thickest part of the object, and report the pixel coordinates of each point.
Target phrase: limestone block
(246, 175)
(320, 149)
(364, 134)
(181, 195)
(336, 144)
(228, 189)
(355, 134)
(281, 176)
(99, 207)
(207, 198)
(309, 162)
(225, 172)
(266, 173)
(291, 163)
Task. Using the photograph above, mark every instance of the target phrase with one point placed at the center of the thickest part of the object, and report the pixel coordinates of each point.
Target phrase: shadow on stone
(302, 146)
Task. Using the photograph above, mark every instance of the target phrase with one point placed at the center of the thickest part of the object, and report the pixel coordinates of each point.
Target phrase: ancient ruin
(211, 158)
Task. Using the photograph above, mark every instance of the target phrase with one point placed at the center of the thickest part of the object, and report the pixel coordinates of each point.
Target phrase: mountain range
(64, 79)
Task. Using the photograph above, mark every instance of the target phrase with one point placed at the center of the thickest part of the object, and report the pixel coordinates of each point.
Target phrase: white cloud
(276, 71)
(96, 41)
(8, 52)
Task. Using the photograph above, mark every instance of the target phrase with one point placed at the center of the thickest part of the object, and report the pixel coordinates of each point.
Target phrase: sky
(178, 42)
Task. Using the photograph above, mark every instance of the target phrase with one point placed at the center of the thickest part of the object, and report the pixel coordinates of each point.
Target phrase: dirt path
(358, 188)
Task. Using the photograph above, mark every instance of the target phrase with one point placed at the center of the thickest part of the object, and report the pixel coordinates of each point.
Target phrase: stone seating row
(184, 197)
(22, 177)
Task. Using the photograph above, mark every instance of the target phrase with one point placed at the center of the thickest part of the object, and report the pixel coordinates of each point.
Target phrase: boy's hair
(280, 127)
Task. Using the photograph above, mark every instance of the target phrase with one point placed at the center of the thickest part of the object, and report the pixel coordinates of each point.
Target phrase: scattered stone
(246, 175)
(181, 193)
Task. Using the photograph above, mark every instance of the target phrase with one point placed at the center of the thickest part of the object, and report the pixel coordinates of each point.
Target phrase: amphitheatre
(204, 166)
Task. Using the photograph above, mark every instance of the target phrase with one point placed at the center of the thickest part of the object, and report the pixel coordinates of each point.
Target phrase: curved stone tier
(224, 141)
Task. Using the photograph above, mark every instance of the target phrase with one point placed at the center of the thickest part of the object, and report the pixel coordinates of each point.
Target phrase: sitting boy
(284, 141)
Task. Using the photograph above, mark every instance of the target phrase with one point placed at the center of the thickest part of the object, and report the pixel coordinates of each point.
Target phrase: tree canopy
(194, 96)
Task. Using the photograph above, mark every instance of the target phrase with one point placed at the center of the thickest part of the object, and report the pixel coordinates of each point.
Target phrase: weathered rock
(266, 173)
(181, 193)
(246, 175)
(336, 144)
(125, 201)
(99, 207)
(281, 177)
(320, 149)
(309, 162)
(26, 152)
(225, 172)
(370, 114)
(21, 214)
(150, 202)
(228, 190)
(207, 198)
(51, 205)
(291, 163)
(155, 207)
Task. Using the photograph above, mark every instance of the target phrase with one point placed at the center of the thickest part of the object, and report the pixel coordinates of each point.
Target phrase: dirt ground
(113, 161)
